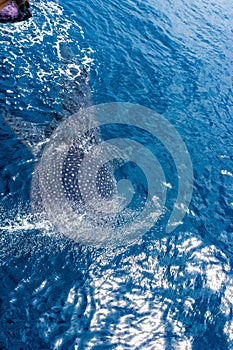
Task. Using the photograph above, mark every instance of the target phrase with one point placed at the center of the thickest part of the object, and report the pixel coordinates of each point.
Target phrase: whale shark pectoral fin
(32, 135)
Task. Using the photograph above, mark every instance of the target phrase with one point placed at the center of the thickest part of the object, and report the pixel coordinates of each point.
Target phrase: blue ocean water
(166, 291)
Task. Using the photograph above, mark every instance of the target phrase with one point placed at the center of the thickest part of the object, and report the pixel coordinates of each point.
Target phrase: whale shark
(74, 180)
(74, 95)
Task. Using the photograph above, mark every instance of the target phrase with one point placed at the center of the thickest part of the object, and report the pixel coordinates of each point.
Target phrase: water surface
(165, 291)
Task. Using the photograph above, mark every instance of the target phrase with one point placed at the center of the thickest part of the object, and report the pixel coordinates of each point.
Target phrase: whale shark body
(75, 95)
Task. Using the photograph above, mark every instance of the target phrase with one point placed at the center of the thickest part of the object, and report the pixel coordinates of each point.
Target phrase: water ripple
(164, 292)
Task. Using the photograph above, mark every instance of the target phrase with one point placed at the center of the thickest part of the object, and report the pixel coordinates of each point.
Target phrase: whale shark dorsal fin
(32, 135)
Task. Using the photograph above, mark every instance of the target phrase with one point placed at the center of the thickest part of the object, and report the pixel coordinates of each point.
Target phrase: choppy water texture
(165, 291)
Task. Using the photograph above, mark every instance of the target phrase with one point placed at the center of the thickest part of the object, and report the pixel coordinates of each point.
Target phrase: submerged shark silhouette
(75, 95)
